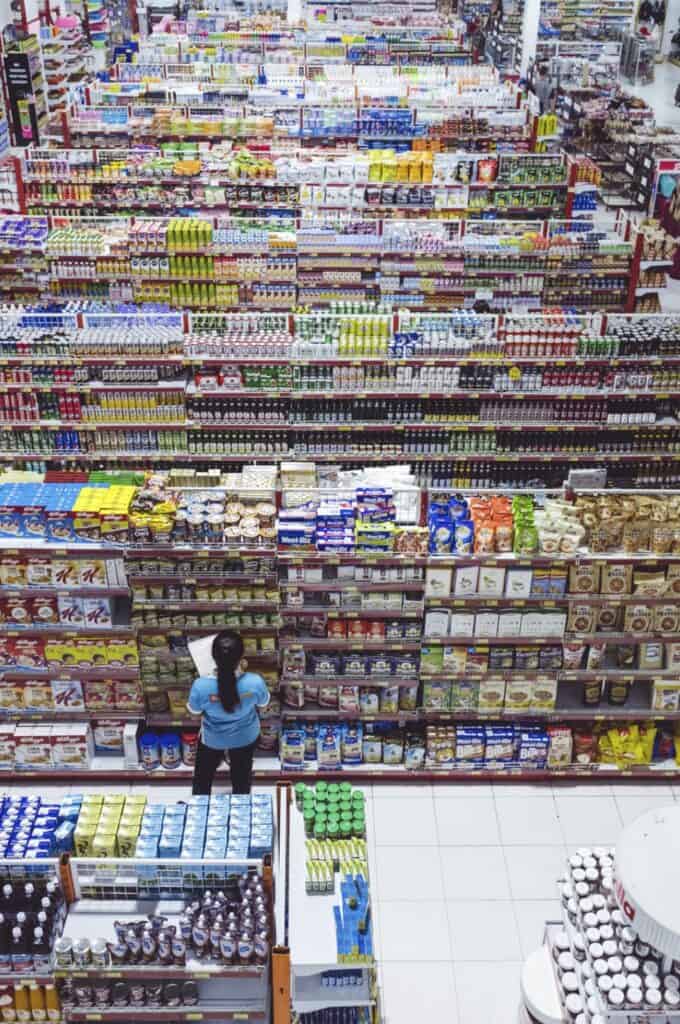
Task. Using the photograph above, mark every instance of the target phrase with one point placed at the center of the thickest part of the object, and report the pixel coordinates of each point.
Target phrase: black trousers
(208, 761)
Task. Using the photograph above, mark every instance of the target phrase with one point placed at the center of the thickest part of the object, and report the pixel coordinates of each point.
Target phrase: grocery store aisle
(463, 878)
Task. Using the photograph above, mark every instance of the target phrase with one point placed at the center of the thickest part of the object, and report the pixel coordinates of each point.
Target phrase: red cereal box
(337, 629)
(356, 629)
(7, 655)
(29, 652)
(44, 610)
(99, 695)
(127, 695)
(17, 611)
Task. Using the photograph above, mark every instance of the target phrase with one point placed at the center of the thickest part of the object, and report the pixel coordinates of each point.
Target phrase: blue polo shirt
(222, 729)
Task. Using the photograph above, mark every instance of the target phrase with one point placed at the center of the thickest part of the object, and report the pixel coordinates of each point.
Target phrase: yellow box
(83, 837)
(114, 799)
(127, 842)
(104, 844)
(135, 800)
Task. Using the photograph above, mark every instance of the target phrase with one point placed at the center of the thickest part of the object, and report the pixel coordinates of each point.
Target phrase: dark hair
(227, 651)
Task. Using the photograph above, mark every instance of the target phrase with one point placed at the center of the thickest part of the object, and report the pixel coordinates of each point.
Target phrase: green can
(309, 817)
(300, 790)
(320, 789)
(346, 829)
(346, 790)
(359, 826)
(320, 830)
(333, 829)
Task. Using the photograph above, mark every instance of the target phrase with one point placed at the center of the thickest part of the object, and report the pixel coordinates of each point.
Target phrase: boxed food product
(67, 695)
(518, 583)
(584, 578)
(466, 580)
(665, 695)
(517, 694)
(491, 581)
(70, 610)
(491, 694)
(438, 582)
(543, 693)
(431, 660)
(33, 747)
(465, 695)
(72, 745)
(436, 622)
(617, 578)
(7, 745)
(470, 745)
(559, 746)
(462, 624)
(37, 695)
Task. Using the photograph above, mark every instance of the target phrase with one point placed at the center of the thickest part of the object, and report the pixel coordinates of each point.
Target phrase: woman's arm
(195, 702)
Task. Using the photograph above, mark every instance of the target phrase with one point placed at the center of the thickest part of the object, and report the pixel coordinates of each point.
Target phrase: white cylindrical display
(648, 878)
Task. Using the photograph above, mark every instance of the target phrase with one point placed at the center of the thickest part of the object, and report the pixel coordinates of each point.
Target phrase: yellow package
(83, 838)
(104, 844)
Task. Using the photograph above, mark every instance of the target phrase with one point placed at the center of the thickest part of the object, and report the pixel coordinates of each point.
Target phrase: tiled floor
(463, 879)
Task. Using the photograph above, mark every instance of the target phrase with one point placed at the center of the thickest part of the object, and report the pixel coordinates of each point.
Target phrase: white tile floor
(463, 879)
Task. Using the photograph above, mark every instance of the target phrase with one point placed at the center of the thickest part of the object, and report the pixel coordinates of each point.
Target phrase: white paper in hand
(201, 653)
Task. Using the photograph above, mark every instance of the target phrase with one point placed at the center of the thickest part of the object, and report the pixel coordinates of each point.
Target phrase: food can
(82, 953)
(150, 750)
(63, 951)
(170, 750)
(189, 742)
(100, 953)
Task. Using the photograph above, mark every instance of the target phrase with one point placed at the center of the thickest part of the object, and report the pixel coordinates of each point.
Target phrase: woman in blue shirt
(227, 704)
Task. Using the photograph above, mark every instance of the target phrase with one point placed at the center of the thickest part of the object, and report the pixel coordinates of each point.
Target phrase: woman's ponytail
(227, 651)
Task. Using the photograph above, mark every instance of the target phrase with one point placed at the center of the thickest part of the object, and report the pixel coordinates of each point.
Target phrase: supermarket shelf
(166, 1013)
(10, 590)
(201, 972)
(335, 644)
(64, 672)
(54, 716)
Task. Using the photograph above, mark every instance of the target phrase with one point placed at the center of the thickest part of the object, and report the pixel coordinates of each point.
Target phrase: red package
(356, 629)
(17, 611)
(29, 652)
(44, 611)
(337, 629)
(375, 629)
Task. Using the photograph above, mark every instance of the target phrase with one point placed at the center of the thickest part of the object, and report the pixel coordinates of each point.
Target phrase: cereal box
(72, 745)
(70, 610)
(127, 695)
(38, 571)
(67, 695)
(97, 612)
(12, 572)
(7, 745)
(44, 610)
(38, 695)
(17, 611)
(33, 747)
(98, 695)
(11, 696)
(65, 572)
(29, 652)
(7, 655)
(92, 572)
